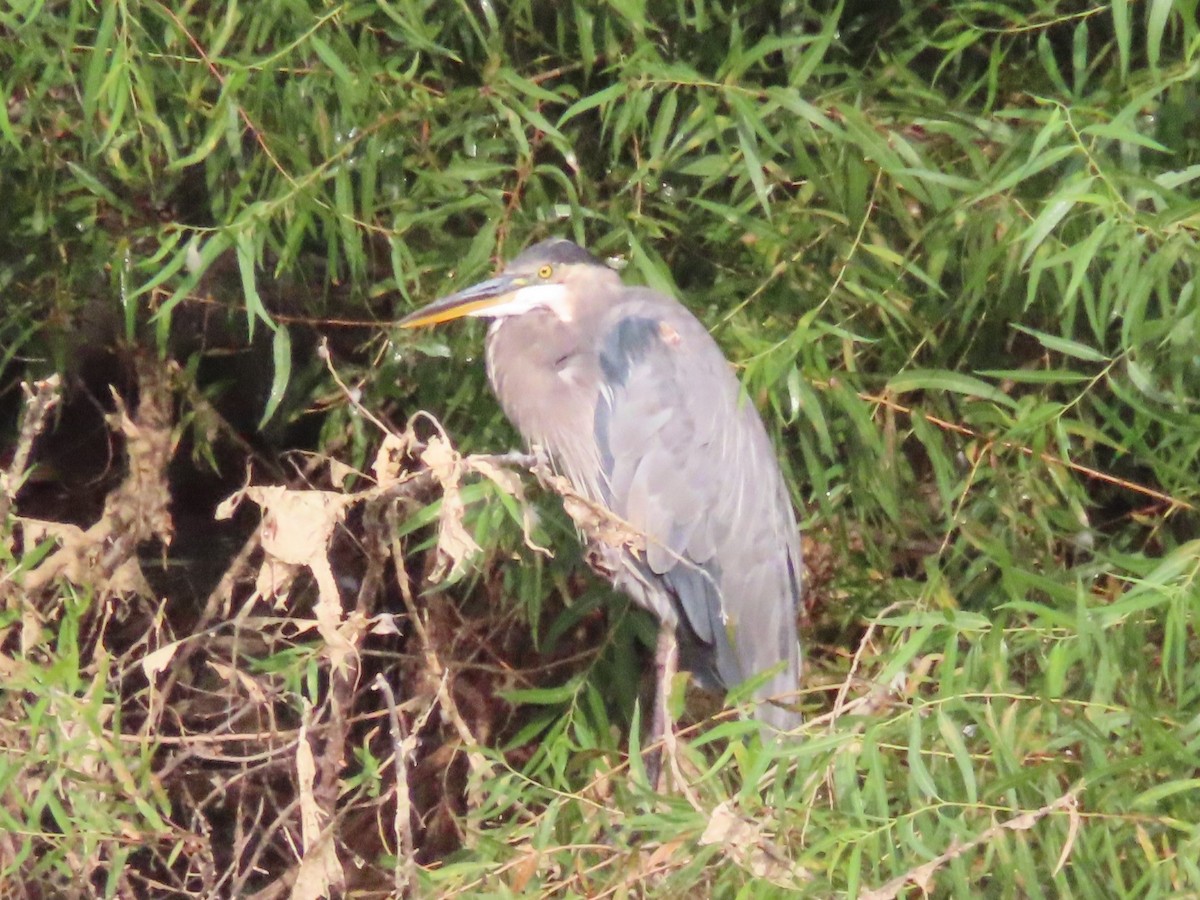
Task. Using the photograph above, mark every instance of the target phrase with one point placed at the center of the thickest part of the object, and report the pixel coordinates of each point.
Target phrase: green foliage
(951, 247)
(73, 793)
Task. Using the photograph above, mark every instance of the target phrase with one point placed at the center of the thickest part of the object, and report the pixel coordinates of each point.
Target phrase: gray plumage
(638, 407)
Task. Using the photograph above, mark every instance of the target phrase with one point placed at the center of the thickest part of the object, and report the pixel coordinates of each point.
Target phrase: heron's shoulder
(645, 323)
(626, 340)
(645, 305)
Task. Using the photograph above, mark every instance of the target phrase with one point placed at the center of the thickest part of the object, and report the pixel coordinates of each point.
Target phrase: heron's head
(549, 275)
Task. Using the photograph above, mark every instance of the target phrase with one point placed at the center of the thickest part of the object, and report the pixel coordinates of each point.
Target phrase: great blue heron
(634, 402)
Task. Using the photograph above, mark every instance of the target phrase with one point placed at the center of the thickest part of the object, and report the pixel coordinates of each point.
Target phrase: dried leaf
(1023, 822)
(341, 638)
(726, 827)
(339, 472)
(227, 507)
(297, 525)
(234, 675)
(661, 856)
(128, 578)
(142, 501)
(1074, 821)
(455, 544)
(523, 870)
(274, 581)
(71, 538)
(11, 668)
(320, 869)
(296, 530)
(744, 841)
(153, 663)
(597, 523)
(388, 466)
(385, 623)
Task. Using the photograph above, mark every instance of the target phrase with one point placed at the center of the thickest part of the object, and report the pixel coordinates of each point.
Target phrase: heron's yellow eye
(545, 271)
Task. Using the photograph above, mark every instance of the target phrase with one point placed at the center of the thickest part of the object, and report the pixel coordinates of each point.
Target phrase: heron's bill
(475, 300)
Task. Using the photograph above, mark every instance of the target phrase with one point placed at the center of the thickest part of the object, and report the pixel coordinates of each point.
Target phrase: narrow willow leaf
(255, 310)
(953, 382)
(651, 267)
(1079, 58)
(812, 57)
(705, 166)
(1049, 61)
(1143, 379)
(100, 60)
(1120, 131)
(93, 184)
(585, 21)
(952, 733)
(600, 99)
(753, 163)
(663, 125)
(347, 80)
(196, 257)
(1179, 178)
(1156, 24)
(1053, 213)
(6, 127)
(1036, 376)
(790, 100)
(281, 358)
(548, 696)
(1081, 257)
(1152, 797)
(1121, 30)
(1055, 125)
(960, 620)
(1062, 345)
(920, 780)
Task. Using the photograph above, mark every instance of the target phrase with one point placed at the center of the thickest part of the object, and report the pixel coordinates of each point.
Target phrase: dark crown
(555, 251)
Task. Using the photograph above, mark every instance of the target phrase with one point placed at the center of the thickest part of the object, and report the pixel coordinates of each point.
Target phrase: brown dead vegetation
(259, 792)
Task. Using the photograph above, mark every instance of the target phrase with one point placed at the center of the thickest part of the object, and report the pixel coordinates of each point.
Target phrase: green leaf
(589, 102)
(1053, 213)
(1062, 345)
(1156, 24)
(281, 358)
(952, 382)
(255, 309)
(549, 696)
(341, 71)
(1121, 30)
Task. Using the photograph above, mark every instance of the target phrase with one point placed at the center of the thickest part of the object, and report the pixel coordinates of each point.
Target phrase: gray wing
(689, 463)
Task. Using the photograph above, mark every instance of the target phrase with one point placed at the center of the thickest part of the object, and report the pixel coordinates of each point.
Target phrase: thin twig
(402, 822)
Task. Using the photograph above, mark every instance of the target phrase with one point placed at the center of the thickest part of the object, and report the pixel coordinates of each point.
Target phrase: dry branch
(40, 399)
(138, 510)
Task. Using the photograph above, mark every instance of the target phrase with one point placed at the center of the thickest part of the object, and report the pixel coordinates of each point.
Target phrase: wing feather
(688, 462)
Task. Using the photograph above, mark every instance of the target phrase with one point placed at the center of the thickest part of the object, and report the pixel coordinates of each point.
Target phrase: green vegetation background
(952, 248)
